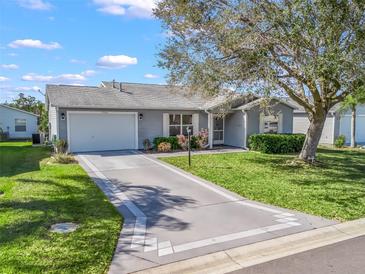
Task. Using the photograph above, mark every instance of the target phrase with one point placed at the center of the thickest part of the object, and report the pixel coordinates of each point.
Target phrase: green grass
(39, 194)
(335, 190)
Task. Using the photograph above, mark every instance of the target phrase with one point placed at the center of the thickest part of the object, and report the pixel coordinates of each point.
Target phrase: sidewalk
(249, 255)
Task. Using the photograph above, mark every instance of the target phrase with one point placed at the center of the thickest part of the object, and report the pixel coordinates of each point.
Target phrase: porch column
(210, 130)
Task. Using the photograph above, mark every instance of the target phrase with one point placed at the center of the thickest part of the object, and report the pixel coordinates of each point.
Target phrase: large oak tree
(310, 50)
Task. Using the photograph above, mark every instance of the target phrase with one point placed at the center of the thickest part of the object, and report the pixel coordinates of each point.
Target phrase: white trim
(280, 122)
(57, 124)
(100, 112)
(210, 130)
(350, 115)
(261, 122)
(245, 128)
(195, 122)
(333, 129)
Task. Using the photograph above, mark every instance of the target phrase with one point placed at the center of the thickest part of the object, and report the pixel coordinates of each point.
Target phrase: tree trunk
(312, 138)
(353, 127)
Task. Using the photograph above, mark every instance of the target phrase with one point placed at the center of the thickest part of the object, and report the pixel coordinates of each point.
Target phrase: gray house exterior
(117, 116)
(18, 123)
(337, 123)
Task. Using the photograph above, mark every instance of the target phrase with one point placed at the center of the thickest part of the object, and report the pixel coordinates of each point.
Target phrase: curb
(257, 253)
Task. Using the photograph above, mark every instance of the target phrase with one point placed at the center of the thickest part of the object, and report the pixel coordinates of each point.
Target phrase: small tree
(31, 104)
(310, 50)
(351, 103)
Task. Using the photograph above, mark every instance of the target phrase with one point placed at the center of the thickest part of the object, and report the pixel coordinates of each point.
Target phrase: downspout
(245, 126)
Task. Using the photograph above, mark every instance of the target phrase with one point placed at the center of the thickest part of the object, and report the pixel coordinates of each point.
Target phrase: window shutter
(262, 124)
(280, 123)
(165, 126)
(195, 123)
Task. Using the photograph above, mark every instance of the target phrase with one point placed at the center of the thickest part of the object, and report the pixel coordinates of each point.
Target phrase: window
(271, 124)
(178, 124)
(20, 125)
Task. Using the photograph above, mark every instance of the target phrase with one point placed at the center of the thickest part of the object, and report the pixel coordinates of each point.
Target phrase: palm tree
(351, 102)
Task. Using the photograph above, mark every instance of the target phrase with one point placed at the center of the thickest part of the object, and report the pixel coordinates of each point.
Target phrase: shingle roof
(300, 109)
(133, 96)
(16, 109)
(258, 101)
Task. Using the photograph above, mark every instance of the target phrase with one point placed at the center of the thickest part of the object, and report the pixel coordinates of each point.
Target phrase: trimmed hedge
(171, 140)
(276, 143)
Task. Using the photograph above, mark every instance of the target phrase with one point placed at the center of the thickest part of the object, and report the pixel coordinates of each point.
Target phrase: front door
(218, 130)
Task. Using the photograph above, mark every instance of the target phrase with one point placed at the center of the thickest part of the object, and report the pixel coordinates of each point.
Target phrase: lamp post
(189, 149)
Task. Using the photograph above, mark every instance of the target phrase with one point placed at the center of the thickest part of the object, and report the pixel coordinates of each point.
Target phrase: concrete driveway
(171, 215)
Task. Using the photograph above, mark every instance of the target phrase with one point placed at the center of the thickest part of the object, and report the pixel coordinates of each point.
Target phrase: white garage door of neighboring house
(301, 124)
(99, 131)
(345, 128)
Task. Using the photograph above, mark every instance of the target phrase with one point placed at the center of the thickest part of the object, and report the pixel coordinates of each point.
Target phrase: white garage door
(94, 131)
(345, 128)
(301, 124)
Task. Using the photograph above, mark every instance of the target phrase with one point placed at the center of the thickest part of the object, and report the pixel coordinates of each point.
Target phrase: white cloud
(12, 54)
(30, 43)
(10, 66)
(116, 61)
(151, 76)
(3, 79)
(88, 73)
(61, 78)
(77, 61)
(34, 88)
(113, 10)
(131, 8)
(35, 4)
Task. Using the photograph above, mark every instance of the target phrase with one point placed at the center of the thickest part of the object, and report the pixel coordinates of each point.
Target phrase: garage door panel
(301, 125)
(101, 131)
(345, 128)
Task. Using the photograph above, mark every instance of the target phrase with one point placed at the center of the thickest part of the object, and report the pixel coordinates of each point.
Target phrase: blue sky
(78, 42)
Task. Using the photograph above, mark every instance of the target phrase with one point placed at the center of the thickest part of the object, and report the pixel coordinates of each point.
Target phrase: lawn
(335, 190)
(38, 194)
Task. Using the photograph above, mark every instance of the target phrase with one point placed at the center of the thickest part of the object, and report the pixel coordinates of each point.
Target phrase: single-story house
(18, 123)
(116, 116)
(337, 123)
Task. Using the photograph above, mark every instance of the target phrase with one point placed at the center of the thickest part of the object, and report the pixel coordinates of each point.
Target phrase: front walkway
(214, 150)
(171, 215)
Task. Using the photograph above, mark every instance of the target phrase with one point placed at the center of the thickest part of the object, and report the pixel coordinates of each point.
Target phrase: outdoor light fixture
(62, 116)
(140, 116)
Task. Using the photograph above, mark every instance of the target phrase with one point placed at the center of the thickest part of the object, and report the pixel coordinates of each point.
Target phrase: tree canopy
(310, 50)
(31, 104)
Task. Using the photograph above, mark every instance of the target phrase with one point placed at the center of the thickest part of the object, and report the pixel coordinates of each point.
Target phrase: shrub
(4, 136)
(203, 138)
(63, 158)
(147, 144)
(276, 143)
(182, 141)
(164, 147)
(340, 141)
(194, 142)
(172, 140)
(60, 146)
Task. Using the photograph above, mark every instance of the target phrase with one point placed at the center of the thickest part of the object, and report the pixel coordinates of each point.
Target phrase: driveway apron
(170, 215)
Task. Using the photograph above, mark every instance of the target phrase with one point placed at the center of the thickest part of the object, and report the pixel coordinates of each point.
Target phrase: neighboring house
(18, 123)
(337, 123)
(117, 116)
